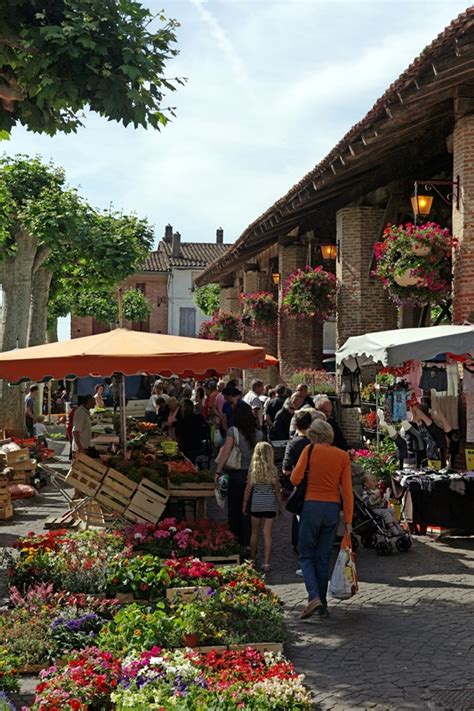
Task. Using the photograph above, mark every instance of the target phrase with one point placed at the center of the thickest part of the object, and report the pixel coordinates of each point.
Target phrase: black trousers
(30, 425)
(239, 523)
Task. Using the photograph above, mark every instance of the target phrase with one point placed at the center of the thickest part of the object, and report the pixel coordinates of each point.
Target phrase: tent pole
(377, 390)
(123, 419)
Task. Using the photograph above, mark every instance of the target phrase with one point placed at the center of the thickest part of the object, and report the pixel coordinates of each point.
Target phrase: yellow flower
(137, 633)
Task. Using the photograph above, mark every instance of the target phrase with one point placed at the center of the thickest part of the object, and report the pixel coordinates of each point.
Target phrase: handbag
(234, 460)
(295, 501)
(344, 584)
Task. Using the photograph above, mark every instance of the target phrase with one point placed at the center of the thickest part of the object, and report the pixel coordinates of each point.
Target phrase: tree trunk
(16, 284)
(38, 320)
(52, 335)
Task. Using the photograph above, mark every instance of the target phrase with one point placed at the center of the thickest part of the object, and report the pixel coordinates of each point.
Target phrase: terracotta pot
(420, 249)
(406, 278)
(191, 640)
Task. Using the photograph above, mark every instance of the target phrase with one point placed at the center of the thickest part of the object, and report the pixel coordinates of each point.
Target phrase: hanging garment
(434, 378)
(413, 378)
(446, 405)
(399, 411)
(452, 373)
(468, 378)
(470, 418)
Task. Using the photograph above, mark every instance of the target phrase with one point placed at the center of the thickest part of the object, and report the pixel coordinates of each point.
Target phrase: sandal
(310, 608)
(266, 567)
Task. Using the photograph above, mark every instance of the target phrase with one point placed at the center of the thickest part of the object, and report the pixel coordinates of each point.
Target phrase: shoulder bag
(234, 460)
(296, 499)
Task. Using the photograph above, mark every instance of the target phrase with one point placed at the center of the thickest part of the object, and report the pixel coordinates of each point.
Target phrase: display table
(443, 501)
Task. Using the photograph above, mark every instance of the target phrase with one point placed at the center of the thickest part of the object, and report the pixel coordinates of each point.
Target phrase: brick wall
(265, 338)
(229, 299)
(362, 303)
(300, 341)
(463, 221)
(156, 290)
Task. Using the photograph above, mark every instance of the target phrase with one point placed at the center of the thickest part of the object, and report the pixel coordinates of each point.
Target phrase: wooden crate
(148, 502)
(233, 559)
(20, 477)
(93, 467)
(275, 647)
(183, 595)
(5, 497)
(6, 512)
(82, 482)
(13, 456)
(29, 466)
(120, 483)
(191, 491)
(112, 499)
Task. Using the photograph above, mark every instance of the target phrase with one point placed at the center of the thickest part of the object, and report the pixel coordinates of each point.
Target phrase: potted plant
(195, 623)
(259, 310)
(310, 292)
(222, 327)
(414, 262)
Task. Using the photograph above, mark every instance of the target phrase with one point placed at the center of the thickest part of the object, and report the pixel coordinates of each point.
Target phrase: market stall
(122, 352)
(432, 367)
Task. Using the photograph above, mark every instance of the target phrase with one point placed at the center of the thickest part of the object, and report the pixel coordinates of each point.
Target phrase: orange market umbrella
(267, 362)
(127, 352)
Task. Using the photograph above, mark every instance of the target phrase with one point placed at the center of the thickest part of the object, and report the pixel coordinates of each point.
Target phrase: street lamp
(276, 278)
(421, 204)
(329, 251)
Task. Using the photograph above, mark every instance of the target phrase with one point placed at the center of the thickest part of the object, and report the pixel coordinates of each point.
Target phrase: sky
(271, 87)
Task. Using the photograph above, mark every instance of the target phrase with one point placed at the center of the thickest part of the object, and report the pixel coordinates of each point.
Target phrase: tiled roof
(192, 255)
(454, 34)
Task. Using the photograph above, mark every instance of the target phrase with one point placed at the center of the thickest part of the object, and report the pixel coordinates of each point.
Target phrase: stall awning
(127, 352)
(392, 348)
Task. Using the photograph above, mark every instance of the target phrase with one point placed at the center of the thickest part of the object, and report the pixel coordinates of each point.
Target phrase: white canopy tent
(392, 348)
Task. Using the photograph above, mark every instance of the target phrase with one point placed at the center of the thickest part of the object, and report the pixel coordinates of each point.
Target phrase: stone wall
(463, 221)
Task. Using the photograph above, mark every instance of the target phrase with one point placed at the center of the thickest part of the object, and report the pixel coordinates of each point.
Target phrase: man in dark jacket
(324, 404)
(281, 426)
(274, 405)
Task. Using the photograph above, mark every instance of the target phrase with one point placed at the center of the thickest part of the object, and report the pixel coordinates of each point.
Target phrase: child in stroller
(375, 521)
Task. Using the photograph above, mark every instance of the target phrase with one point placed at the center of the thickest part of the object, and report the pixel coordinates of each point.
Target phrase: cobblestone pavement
(406, 641)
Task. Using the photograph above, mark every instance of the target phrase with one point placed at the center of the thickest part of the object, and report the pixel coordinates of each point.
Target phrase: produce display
(141, 654)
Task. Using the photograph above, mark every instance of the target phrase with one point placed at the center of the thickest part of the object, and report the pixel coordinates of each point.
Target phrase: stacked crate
(86, 475)
(6, 508)
(148, 503)
(18, 460)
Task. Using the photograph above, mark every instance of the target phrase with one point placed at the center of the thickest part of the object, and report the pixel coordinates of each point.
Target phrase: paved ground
(406, 641)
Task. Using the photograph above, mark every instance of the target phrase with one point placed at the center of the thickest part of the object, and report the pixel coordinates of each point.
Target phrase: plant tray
(120, 483)
(94, 467)
(275, 647)
(32, 668)
(6, 512)
(183, 595)
(112, 499)
(82, 482)
(191, 491)
(124, 597)
(208, 486)
(233, 559)
(14, 456)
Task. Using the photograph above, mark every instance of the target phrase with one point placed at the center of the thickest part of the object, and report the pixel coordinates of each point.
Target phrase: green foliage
(103, 305)
(60, 57)
(207, 298)
(136, 307)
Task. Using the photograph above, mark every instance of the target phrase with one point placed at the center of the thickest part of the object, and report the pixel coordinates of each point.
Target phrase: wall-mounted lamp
(421, 204)
(329, 251)
(276, 278)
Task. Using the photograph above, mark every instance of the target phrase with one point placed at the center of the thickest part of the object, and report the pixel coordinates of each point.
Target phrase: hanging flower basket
(259, 310)
(222, 327)
(310, 292)
(414, 262)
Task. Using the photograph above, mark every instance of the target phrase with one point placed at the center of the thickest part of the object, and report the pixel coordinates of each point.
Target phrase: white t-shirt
(82, 424)
(40, 429)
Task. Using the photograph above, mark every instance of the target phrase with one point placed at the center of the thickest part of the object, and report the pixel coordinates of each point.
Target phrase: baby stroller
(374, 532)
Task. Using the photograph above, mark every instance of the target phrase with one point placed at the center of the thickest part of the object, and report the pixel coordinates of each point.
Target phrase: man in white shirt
(252, 398)
(82, 430)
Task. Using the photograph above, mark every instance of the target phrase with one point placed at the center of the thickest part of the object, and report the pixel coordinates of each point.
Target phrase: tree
(207, 298)
(103, 306)
(60, 57)
(53, 247)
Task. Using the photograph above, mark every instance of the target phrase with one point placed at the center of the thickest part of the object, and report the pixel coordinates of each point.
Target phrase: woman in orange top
(329, 474)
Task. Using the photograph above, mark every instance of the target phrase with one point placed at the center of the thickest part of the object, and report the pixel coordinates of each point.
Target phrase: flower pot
(191, 640)
(406, 278)
(420, 249)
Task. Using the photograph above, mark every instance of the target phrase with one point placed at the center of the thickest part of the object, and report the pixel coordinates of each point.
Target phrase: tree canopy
(207, 298)
(60, 57)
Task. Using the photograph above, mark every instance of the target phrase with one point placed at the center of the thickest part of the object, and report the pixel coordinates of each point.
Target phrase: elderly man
(324, 404)
(281, 426)
(252, 398)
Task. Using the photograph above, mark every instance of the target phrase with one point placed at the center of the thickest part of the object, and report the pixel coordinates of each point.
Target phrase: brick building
(167, 282)
(422, 128)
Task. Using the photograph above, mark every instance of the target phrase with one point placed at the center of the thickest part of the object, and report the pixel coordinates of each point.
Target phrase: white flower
(138, 536)
(173, 529)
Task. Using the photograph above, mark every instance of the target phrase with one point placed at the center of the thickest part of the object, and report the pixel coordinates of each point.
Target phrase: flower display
(259, 310)
(8, 671)
(170, 537)
(381, 464)
(86, 682)
(310, 292)
(191, 571)
(319, 381)
(145, 576)
(414, 262)
(222, 327)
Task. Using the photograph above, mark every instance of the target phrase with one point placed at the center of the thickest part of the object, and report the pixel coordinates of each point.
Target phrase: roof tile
(193, 255)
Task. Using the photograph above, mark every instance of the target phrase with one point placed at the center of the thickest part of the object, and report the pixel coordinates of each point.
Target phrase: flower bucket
(420, 249)
(406, 278)
(191, 640)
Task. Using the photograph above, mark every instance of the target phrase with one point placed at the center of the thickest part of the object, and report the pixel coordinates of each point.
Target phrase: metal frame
(450, 198)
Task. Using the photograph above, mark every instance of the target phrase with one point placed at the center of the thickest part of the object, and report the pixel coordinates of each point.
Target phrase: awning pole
(377, 391)
(123, 418)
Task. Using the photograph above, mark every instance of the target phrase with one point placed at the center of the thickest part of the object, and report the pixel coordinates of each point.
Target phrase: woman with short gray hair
(329, 474)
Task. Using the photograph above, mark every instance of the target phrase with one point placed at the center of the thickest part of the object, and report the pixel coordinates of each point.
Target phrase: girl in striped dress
(263, 492)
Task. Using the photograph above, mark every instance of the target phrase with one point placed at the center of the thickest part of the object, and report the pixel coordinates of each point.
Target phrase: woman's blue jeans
(318, 526)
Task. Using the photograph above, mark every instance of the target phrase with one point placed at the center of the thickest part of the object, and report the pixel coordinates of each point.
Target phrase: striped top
(263, 498)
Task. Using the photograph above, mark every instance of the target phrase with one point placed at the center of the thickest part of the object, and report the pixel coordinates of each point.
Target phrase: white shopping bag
(343, 583)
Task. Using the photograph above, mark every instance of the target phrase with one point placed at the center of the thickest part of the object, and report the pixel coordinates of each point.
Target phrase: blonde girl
(263, 489)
